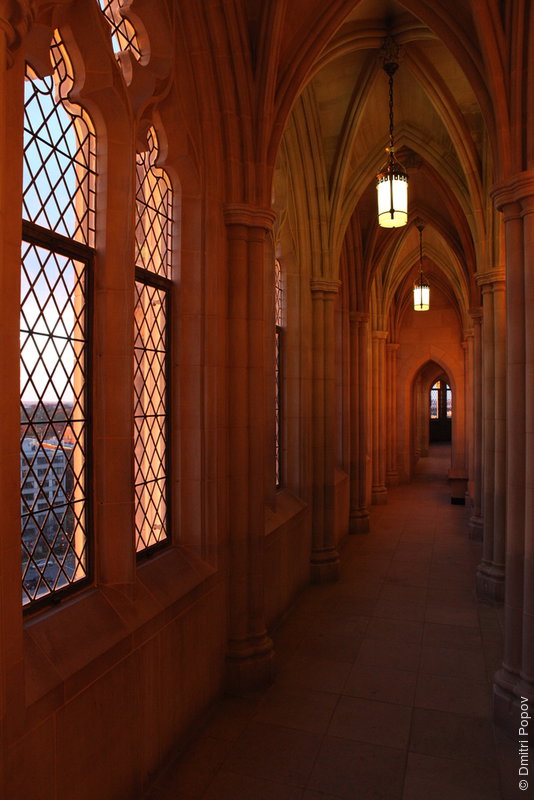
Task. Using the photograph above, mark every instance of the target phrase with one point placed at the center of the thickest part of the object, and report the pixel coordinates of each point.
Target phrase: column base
(359, 521)
(490, 583)
(324, 566)
(476, 529)
(250, 664)
(392, 478)
(379, 495)
(511, 699)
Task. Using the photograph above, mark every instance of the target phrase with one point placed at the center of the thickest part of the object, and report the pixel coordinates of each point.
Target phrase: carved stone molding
(491, 277)
(510, 194)
(324, 285)
(16, 17)
(249, 216)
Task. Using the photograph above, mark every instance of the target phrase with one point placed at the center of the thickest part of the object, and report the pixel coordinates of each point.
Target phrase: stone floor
(383, 687)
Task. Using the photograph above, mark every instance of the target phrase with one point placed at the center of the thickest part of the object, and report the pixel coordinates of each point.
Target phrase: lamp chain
(391, 113)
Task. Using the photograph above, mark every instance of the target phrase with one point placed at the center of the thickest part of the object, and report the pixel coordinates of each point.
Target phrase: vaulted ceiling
(339, 126)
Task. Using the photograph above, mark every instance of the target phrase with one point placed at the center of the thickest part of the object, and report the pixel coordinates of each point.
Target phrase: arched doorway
(437, 398)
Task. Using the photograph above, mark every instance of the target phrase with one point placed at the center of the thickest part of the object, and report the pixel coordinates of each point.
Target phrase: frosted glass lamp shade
(392, 193)
(421, 297)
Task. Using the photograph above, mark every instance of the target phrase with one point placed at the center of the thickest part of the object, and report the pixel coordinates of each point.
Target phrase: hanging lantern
(392, 181)
(421, 289)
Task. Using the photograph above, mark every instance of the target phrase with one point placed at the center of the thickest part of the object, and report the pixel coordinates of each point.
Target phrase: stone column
(392, 473)
(379, 492)
(359, 514)
(476, 521)
(250, 650)
(515, 679)
(421, 420)
(15, 19)
(490, 573)
(324, 556)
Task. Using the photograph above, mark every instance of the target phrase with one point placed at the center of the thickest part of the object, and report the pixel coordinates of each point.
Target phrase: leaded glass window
(154, 202)
(58, 229)
(440, 401)
(123, 35)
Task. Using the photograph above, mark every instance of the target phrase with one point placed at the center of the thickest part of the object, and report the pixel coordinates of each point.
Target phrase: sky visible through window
(58, 194)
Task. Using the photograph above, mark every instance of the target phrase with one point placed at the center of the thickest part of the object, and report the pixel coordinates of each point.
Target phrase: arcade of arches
(271, 122)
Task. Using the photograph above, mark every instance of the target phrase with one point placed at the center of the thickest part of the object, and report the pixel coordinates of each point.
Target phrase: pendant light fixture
(421, 289)
(392, 181)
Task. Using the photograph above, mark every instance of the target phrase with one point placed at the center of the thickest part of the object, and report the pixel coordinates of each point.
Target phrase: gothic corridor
(267, 406)
(383, 680)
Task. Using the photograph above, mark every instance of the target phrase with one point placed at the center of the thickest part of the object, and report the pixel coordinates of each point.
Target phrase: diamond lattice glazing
(150, 414)
(53, 421)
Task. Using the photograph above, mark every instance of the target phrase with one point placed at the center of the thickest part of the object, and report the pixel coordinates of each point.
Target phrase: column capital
(324, 285)
(476, 315)
(376, 334)
(491, 278)
(359, 317)
(249, 216)
(511, 193)
(392, 347)
(16, 18)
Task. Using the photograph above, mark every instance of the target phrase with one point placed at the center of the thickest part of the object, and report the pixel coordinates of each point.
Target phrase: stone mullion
(392, 474)
(490, 574)
(359, 515)
(516, 676)
(249, 647)
(476, 521)
(324, 556)
(527, 664)
(12, 676)
(379, 491)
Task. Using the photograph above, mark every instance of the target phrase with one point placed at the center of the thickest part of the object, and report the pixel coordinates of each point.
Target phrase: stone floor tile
(400, 609)
(457, 695)
(350, 605)
(190, 775)
(321, 674)
(377, 652)
(456, 636)
(408, 574)
(395, 631)
(232, 786)
(297, 707)
(381, 683)
(440, 733)
(430, 778)
(335, 646)
(414, 594)
(230, 716)
(272, 751)
(452, 615)
(464, 664)
(351, 770)
(509, 763)
(371, 721)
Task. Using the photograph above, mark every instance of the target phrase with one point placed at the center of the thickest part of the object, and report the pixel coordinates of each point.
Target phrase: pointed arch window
(123, 35)
(153, 271)
(59, 175)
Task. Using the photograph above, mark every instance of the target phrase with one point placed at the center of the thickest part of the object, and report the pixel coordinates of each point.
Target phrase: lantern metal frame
(421, 289)
(393, 174)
